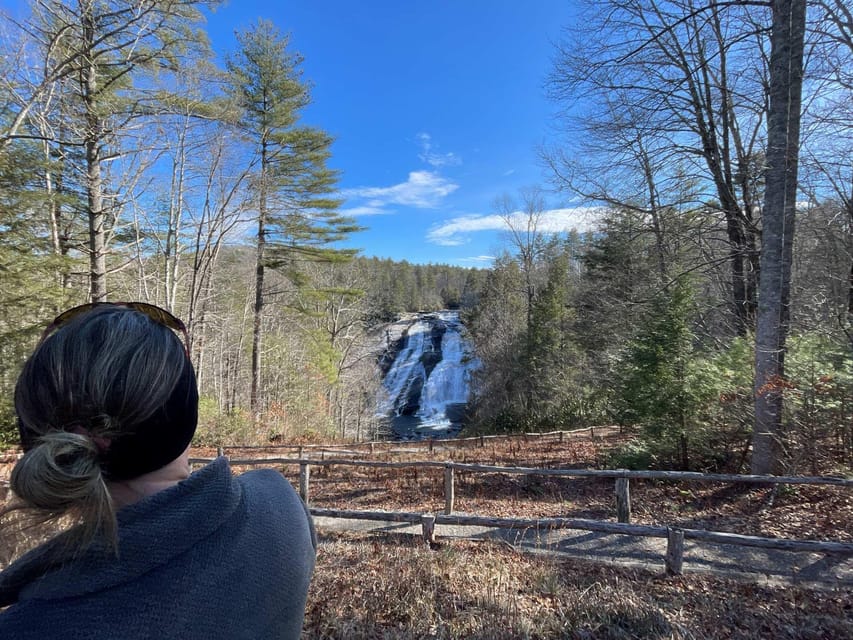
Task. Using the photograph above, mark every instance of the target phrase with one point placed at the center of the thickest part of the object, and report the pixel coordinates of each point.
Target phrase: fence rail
(594, 473)
(382, 446)
(675, 536)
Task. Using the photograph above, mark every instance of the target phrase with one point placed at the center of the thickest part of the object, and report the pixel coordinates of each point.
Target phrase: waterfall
(427, 385)
(407, 369)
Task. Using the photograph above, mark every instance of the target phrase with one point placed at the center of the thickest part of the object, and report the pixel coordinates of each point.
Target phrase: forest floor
(387, 586)
(374, 584)
(381, 584)
(808, 512)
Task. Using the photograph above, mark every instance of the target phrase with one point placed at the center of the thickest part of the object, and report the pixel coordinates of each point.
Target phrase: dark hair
(111, 395)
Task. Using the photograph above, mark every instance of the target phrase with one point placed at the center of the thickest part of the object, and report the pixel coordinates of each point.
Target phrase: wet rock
(413, 398)
(429, 359)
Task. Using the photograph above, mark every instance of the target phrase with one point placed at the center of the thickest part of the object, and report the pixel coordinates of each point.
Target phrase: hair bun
(61, 472)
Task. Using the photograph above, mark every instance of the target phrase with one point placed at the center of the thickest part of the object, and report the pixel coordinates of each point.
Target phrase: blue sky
(437, 108)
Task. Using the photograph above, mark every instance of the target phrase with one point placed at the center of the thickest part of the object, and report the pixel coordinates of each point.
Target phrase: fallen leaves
(484, 590)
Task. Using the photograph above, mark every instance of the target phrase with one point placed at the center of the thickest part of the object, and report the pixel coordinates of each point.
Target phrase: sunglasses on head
(155, 313)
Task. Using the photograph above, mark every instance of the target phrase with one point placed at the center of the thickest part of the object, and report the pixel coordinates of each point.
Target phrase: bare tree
(677, 88)
(524, 223)
(94, 53)
(827, 144)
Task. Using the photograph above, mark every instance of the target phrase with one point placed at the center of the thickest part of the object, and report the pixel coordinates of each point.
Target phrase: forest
(710, 312)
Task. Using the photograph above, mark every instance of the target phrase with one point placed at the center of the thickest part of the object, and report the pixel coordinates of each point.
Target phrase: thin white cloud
(476, 260)
(508, 172)
(422, 190)
(455, 232)
(432, 157)
(364, 210)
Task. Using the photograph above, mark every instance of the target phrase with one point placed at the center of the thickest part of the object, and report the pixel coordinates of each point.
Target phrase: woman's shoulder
(269, 487)
(265, 480)
(268, 491)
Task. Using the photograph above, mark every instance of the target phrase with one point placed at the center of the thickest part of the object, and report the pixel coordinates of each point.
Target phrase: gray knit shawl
(212, 557)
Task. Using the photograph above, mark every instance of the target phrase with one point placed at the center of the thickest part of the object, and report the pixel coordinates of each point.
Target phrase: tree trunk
(254, 397)
(783, 135)
(94, 184)
(54, 213)
(172, 249)
(850, 292)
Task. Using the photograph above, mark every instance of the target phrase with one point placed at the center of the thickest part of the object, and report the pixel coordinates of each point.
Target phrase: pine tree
(655, 390)
(29, 290)
(296, 211)
(551, 355)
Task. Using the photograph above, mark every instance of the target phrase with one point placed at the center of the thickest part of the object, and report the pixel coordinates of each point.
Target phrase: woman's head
(110, 394)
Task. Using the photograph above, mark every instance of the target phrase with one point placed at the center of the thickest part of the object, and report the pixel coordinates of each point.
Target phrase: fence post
(220, 451)
(448, 490)
(371, 446)
(304, 474)
(431, 441)
(561, 436)
(674, 551)
(428, 527)
(623, 500)
(482, 441)
(300, 453)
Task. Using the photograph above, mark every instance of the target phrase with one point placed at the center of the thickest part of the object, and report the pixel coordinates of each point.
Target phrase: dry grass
(394, 587)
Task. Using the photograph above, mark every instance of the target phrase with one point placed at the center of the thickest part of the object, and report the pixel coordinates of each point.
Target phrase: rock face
(427, 373)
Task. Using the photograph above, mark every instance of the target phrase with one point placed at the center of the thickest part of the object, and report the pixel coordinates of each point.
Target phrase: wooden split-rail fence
(675, 536)
(430, 444)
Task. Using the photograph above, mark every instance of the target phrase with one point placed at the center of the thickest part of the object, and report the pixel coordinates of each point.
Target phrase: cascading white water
(448, 383)
(427, 401)
(406, 370)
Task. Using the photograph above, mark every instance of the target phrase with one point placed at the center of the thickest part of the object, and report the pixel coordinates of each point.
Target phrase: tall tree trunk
(848, 207)
(172, 250)
(740, 288)
(254, 397)
(850, 292)
(94, 184)
(97, 233)
(54, 212)
(783, 137)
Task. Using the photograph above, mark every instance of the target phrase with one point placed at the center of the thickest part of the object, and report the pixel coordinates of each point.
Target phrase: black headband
(159, 439)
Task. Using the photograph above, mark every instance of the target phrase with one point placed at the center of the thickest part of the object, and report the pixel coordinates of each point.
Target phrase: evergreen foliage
(655, 390)
(30, 273)
(292, 186)
(398, 287)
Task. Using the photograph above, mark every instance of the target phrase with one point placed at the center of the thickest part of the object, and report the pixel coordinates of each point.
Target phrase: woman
(107, 406)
